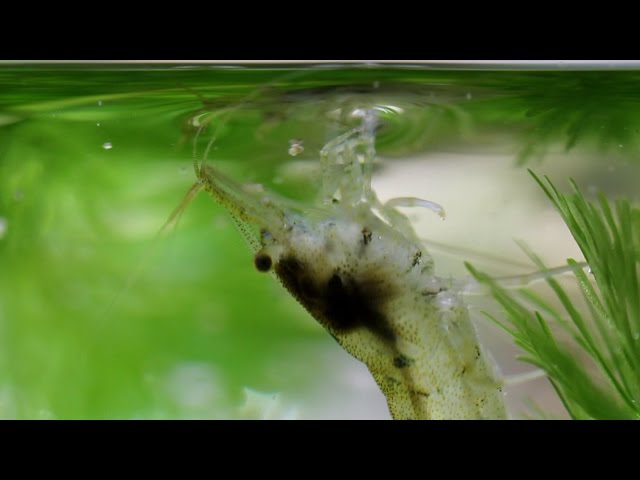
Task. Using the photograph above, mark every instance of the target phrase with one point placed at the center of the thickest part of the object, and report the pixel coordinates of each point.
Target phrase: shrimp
(357, 266)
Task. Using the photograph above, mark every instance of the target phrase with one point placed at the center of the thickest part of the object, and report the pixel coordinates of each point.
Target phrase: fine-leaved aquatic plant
(607, 330)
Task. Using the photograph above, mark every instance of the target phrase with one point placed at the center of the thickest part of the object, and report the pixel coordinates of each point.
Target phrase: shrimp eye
(262, 262)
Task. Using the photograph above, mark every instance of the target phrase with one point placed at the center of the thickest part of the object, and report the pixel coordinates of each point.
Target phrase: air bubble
(295, 147)
(107, 145)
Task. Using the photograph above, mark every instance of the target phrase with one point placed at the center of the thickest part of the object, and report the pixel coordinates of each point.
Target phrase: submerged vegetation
(606, 331)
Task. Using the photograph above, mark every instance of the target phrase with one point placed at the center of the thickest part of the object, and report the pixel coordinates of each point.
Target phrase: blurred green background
(102, 318)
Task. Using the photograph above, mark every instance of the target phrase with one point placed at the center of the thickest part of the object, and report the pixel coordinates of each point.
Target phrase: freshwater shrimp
(356, 265)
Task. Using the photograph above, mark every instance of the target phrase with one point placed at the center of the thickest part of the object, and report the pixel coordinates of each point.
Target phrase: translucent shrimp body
(358, 268)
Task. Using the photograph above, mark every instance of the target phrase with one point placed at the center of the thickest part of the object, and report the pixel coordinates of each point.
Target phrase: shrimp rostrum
(358, 268)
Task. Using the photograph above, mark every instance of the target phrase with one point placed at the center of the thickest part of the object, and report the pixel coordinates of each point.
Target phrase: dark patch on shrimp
(401, 361)
(342, 303)
(421, 393)
(391, 380)
(366, 236)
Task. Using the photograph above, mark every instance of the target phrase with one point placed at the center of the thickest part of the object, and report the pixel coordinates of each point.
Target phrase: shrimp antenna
(175, 216)
(171, 221)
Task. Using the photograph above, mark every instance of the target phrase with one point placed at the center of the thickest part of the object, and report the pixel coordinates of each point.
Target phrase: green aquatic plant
(606, 332)
(581, 109)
